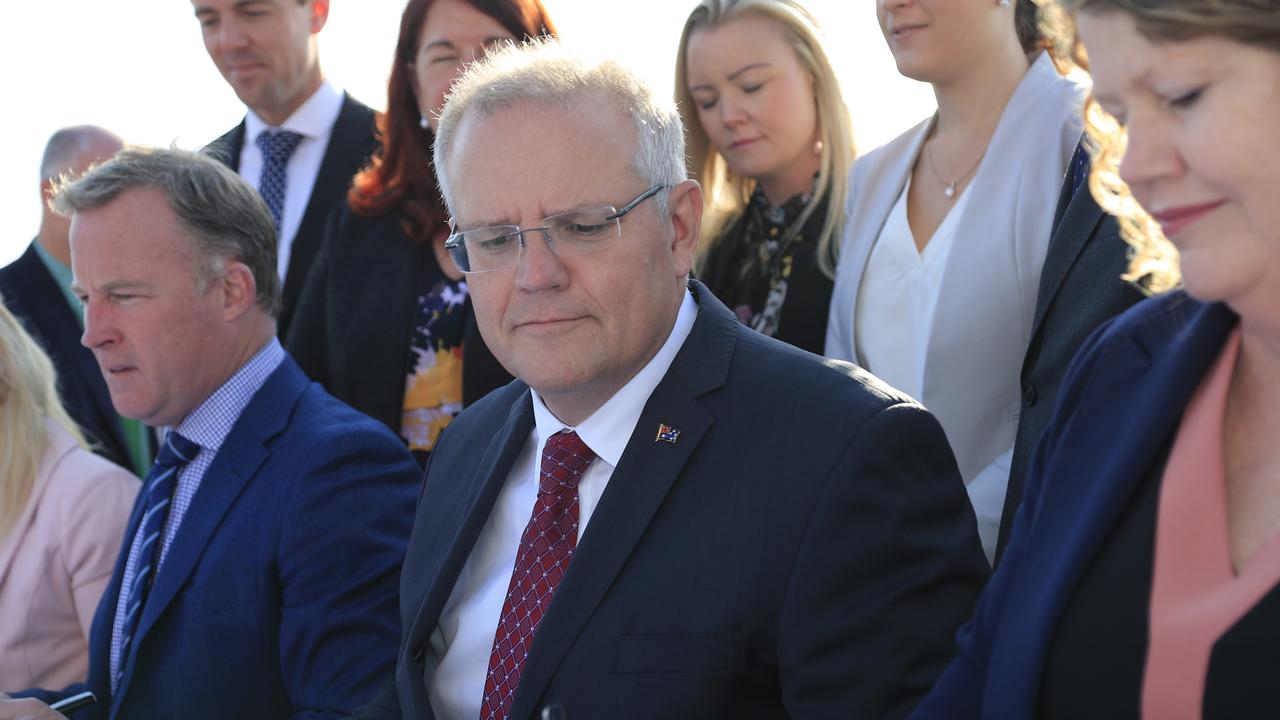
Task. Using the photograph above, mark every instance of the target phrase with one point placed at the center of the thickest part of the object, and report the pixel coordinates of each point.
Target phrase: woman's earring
(422, 122)
(1004, 3)
(817, 147)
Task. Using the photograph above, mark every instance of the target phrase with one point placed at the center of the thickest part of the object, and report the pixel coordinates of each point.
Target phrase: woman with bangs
(385, 320)
(948, 227)
(1142, 578)
(771, 143)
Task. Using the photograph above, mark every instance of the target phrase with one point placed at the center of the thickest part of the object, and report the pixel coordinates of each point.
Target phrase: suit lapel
(1074, 225)
(482, 489)
(1162, 366)
(235, 465)
(646, 472)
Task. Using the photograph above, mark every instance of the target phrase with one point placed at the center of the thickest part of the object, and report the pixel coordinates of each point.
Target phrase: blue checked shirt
(207, 426)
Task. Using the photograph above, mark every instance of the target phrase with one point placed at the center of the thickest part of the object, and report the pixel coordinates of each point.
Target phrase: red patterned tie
(546, 547)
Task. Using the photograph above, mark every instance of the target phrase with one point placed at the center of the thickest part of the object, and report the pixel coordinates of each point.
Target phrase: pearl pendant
(949, 190)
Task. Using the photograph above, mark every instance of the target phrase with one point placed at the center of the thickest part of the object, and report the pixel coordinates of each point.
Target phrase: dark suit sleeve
(889, 567)
(385, 705)
(308, 338)
(341, 550)
(959, 692)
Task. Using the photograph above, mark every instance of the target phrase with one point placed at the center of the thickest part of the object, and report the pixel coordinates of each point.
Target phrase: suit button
(1029, 395)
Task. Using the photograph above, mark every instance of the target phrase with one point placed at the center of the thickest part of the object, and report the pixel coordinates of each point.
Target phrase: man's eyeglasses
(576, 232)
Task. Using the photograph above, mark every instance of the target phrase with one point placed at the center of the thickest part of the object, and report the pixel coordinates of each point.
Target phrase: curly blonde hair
(1153, 259)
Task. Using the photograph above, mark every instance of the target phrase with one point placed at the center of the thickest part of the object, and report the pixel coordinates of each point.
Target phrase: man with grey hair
(37, 290)
(667, 515)
(258, 575)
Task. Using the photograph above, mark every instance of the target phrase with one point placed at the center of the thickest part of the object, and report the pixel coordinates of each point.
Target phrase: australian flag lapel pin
(666, 433)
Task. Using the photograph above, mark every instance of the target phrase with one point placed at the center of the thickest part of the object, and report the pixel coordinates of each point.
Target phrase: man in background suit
(1080, 288)
(302, 139)
(667, 515)
(37, 290)
(258, 573)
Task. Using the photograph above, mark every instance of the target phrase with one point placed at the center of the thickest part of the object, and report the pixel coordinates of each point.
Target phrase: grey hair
(225, 216)
(543, 71)
(67, 146)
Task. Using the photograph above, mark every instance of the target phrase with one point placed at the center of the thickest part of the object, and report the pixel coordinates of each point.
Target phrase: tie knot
(564, 459)
(277, 145)
(177, 451)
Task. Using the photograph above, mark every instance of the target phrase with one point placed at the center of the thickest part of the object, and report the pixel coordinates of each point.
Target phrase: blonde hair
(1153, 259)
(727, 194)
(28, 395)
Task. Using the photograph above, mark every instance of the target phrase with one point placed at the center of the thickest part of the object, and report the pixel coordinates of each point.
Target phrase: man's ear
(319, 15)
(684, 203)
(240, 290)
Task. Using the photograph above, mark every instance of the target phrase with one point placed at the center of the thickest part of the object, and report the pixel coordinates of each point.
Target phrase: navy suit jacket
(805, 548)
(33, 296)
(1080, 288)
(1121, 404)
(278, 596)
(350, 146)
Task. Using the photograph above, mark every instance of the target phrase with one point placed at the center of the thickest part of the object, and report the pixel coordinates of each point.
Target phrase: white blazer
(988, 296)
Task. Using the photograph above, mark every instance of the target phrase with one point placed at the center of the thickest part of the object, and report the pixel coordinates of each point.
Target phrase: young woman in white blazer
(948, 225)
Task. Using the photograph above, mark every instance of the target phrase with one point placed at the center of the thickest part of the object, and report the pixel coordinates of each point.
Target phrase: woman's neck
(970, 103)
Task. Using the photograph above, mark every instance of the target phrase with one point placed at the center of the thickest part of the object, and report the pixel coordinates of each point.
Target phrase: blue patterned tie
(158, 491)
(1079, 169)
(277, 147)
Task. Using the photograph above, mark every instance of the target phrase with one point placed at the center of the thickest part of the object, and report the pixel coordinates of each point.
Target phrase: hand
(26, 709)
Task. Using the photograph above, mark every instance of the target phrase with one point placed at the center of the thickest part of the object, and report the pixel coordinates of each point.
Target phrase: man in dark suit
(258, 575)
(36, 289)
(667, 515)
(302, 139)
(1080, 288)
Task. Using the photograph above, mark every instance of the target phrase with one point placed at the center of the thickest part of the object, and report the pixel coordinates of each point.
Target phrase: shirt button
(1029, 395)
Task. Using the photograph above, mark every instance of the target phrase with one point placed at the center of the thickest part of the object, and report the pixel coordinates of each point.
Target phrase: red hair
(400, 173)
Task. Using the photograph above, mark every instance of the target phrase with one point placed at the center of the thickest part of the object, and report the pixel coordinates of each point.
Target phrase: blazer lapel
(1075, 224)
(235, 465)
(1164, 371)
(435, 584)
(645, 474)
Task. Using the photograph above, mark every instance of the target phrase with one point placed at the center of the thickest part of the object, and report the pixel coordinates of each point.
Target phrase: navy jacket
(805, 549)
(278, 595)
(33, 296)
(1120, 406)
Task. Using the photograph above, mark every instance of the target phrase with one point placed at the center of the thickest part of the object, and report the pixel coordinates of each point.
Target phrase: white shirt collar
(609, 428)
(313, 119)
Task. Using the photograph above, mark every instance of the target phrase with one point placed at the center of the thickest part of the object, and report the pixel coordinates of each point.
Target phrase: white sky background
(138, 67)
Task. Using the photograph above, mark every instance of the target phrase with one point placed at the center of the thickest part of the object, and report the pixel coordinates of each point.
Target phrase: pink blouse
(1196, 595)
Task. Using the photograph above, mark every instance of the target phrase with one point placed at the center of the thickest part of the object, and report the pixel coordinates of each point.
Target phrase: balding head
(69, 152)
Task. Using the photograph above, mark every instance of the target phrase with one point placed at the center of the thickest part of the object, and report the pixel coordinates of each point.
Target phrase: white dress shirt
(457, 658)
(314, 121)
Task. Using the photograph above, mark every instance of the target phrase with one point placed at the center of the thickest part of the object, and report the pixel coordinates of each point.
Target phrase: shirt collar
(608, 430)
(210, 423)
(313, 119)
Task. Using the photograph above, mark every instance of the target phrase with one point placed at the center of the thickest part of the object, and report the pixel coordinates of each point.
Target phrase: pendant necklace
(949, 187)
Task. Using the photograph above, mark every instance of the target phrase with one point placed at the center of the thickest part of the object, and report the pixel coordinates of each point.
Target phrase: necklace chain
(949, 187)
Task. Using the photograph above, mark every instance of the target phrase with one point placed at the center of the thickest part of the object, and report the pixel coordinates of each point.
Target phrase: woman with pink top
(63, 512)
(1142, 577)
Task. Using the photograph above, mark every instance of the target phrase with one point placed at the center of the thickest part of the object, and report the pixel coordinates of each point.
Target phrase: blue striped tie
(158, 491)
(277, 147)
